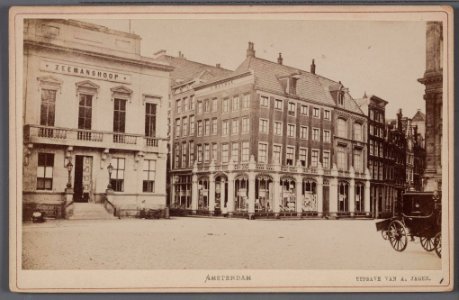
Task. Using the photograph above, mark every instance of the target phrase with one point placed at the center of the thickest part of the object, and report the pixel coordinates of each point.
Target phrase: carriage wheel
(437, 243)
(397, 236)
(384, 234)
(428, 243)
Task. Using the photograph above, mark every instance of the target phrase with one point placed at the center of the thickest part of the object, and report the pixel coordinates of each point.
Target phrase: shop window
(45, 171)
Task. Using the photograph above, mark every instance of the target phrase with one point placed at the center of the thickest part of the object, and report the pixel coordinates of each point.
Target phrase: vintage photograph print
(231, 149)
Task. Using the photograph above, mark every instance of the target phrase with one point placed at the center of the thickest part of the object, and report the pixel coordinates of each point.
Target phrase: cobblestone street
(204, 243)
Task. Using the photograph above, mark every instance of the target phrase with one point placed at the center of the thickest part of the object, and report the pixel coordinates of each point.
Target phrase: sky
(384, 58)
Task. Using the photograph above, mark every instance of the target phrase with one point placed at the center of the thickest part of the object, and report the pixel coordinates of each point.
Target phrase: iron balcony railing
(89, 138)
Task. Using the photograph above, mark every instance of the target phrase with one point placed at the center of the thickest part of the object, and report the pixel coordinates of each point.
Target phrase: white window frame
(266, 153)
(275, 129)
(289, 125)
(260, 127)
(307, 132)
(313, 112)
(315, 129)
(280, 154)
(276, 101)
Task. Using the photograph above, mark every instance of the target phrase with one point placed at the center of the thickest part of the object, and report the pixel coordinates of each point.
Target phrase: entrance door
(326, 200)
(83, 178)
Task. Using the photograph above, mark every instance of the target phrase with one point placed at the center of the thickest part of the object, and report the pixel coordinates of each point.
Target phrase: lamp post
(110, 170)
(69, 167)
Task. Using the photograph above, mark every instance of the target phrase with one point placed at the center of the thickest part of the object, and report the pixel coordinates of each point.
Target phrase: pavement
(216, 243)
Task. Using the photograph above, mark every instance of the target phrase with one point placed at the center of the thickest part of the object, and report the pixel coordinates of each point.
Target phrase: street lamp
(110, 170)
(69, 167)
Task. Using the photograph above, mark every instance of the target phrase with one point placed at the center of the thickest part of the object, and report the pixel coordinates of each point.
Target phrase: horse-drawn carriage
(418, 215)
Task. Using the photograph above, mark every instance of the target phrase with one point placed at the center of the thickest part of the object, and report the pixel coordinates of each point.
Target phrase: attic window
(341, 98)
(292, 85)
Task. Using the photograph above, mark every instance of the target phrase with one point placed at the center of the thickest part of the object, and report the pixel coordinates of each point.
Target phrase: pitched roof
(419, 116)
(309, 86)
(185, 70)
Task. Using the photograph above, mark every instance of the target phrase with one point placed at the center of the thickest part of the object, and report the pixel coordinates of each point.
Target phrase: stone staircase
(90, 211)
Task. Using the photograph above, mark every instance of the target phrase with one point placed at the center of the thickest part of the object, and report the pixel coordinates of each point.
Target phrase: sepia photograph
(224, 149)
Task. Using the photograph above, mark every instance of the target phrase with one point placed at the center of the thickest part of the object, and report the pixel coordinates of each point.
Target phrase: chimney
(313, 67)
(251, 50)
(218, 66)
(365, 94)
(181, 55)
(280, 59)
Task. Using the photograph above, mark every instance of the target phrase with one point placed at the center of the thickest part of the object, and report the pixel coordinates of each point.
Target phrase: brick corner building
(269, 140)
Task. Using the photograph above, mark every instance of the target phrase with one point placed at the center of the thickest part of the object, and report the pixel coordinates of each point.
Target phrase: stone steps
(90, 211)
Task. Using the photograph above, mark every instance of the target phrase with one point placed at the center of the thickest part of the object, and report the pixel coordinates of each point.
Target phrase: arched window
(342, 128)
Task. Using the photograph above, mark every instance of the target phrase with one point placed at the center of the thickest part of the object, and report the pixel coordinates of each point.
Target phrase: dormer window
(292, 85)
(341, 98)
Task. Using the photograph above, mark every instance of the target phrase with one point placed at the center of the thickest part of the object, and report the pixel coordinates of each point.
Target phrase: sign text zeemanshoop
(87, 72)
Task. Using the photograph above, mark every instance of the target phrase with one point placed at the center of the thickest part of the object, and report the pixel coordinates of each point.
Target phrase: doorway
(83, 179)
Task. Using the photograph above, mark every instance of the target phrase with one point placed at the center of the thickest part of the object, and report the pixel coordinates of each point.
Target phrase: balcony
(37, 134)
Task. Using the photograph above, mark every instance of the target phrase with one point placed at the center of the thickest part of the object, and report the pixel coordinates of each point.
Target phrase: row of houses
(105, 125)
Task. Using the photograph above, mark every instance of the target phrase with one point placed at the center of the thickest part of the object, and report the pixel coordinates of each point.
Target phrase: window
(117, 177)
(45, 171)
(341, 98)
(119, 119)
(206, 105)
(185, 104)
(291, 108)
(199, 107)
(278, 104)
(304, 110)
(357, 162)
(215, 151)
(342, 159)
(235, 126)
(150, 119)
(357, 131)
(314, 158)
(245, 125)
(235, 103)
(245, 151)
(326, 159)
(303, 156)
(235, 152)
(316, 112)
(206, 127)
(206, 152)
(214, 126)
(341, 128)
(192, 103)
(192, 125)
(262, 153)
(184, 154)
(149, 170)
(191, 161)
(246, 101)
(85, 112)
(225, 153)
(290, 156)
(200, 128)
(225, 127)
(48, 107)
(264, 101)
(215, 104)
(327, 136)
(177, 155)
(315, 134)
(291, 130)
(177, 127)
(199, 153)
(278, 128)
(225, 105)
(327, 115)
(381, 168)
(372, 147)
(263, 126)
(178, 104)
(185, 126)
(277, 154)
(372, 116)
(304, 132)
